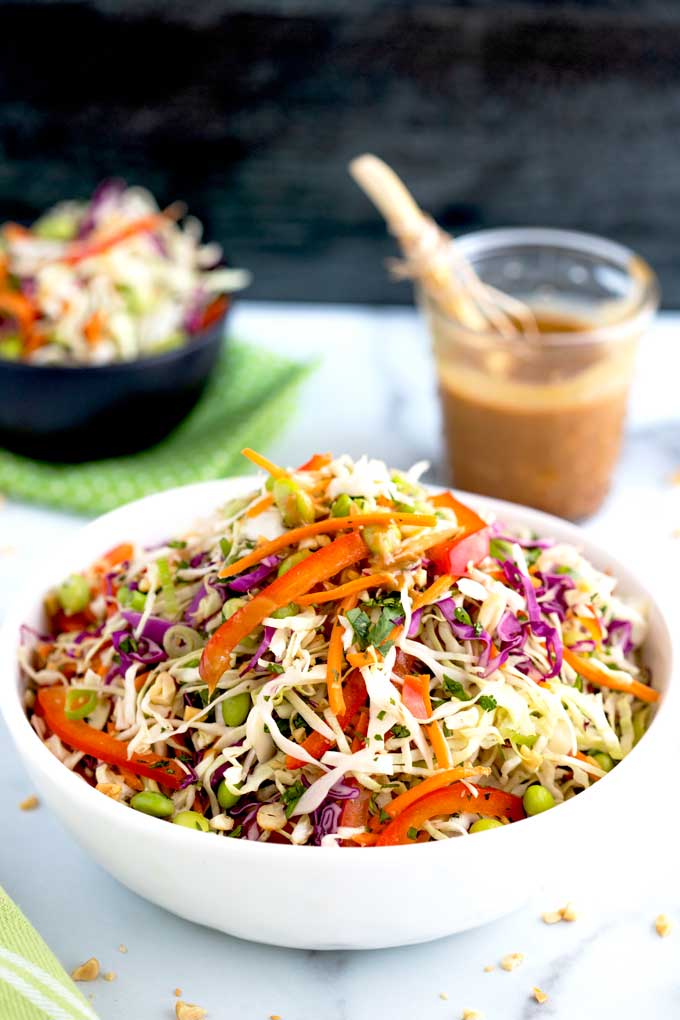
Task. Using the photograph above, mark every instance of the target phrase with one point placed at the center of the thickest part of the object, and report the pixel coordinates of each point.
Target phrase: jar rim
(640, 306)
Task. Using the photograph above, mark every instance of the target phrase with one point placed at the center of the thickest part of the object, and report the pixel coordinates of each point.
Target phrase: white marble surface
(374, 392)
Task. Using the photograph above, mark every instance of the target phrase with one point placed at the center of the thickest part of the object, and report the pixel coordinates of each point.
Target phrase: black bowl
(76, 413)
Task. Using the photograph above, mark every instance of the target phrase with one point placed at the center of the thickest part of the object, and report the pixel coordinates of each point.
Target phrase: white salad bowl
(330, 897)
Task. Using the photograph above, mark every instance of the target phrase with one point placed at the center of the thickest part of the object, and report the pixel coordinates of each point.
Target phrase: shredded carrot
(79, 250)
(334, 661)
(22, 310)
(371, 657)
(597, 674)
(267, 465)
(431, 594)
(365, 838)
(585, 758)
(416, 696)
(261, 505)
(360, 730)
(350, 588)
(94, 328)
(325, 527)
(16, 232)
(435, 782)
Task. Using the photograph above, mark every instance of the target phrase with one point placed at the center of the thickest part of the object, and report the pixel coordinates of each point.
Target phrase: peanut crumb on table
(443, 995)
(539, 996)
(566, 913)
(189, 1011)
(110, 975)
(30, 803)
(512, 961)
(122, 948)
(471, 1014)
(663, 926)
(489, 968)
(274, 1016)
(178, 992)
(88, 971)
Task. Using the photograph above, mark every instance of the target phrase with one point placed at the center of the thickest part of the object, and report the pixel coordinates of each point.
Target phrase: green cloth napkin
(250, 396)
(33, 984)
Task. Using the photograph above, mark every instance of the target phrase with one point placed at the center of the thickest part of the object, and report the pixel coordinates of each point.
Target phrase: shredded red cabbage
(146, 651)
(623, 628)
(553, 643)
(155, 628)
(244, 582)
(269, 633)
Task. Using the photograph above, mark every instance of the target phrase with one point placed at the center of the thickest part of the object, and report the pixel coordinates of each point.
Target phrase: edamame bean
(151, 803)
(290, 610)
(73, 594)
(295, 505)
(192, 820)
(292, 561)
(235, 710)
(341, 506)
(230, 607)
(604, 760)
(485, 823)
(225, 797)
(537, 799)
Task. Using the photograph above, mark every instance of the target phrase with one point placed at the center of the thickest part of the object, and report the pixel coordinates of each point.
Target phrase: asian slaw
(111, 279)
(340, 657)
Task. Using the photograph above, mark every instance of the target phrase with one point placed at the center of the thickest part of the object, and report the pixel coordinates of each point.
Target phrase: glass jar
(539, 420)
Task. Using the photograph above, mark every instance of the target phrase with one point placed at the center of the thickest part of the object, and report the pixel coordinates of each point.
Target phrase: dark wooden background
(495, 113)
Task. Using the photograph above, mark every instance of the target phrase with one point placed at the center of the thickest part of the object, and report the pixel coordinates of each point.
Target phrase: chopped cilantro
(361, 624)
(177, 543)
(381, 714)
(235, 833)
(384, 817)
(225, 546)
(412, 833)
(367, 633)
(291, 796)
(191, 664)
(455, 688)
(400, 731)
(487, 702)
(274, 667)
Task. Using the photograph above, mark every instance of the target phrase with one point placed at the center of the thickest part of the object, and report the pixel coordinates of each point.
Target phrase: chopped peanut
(489, 968)
(189, 1011)
(471, 1014)
(539, 996)
(112, 790)
(563, 914)
(275, 1016)
(568, 913)
(512, 961)
(30, 804)
(663, 926)
(122, 948)
(110, 975)
(88, 971)
(190, 712)
(163, 689)
(272, 817)
(178, 992)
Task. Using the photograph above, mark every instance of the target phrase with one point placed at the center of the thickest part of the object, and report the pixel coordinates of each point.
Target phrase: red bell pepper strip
(103, 746)
(355, 812)
(415, 693)
(355, 695)
(320, 566)
(452, 800)
(453, 556)
(316, 462)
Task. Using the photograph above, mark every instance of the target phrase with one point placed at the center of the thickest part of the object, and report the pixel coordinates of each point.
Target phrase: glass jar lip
(640, 306)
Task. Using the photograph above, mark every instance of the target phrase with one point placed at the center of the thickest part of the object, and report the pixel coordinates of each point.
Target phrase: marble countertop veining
(374, 392)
